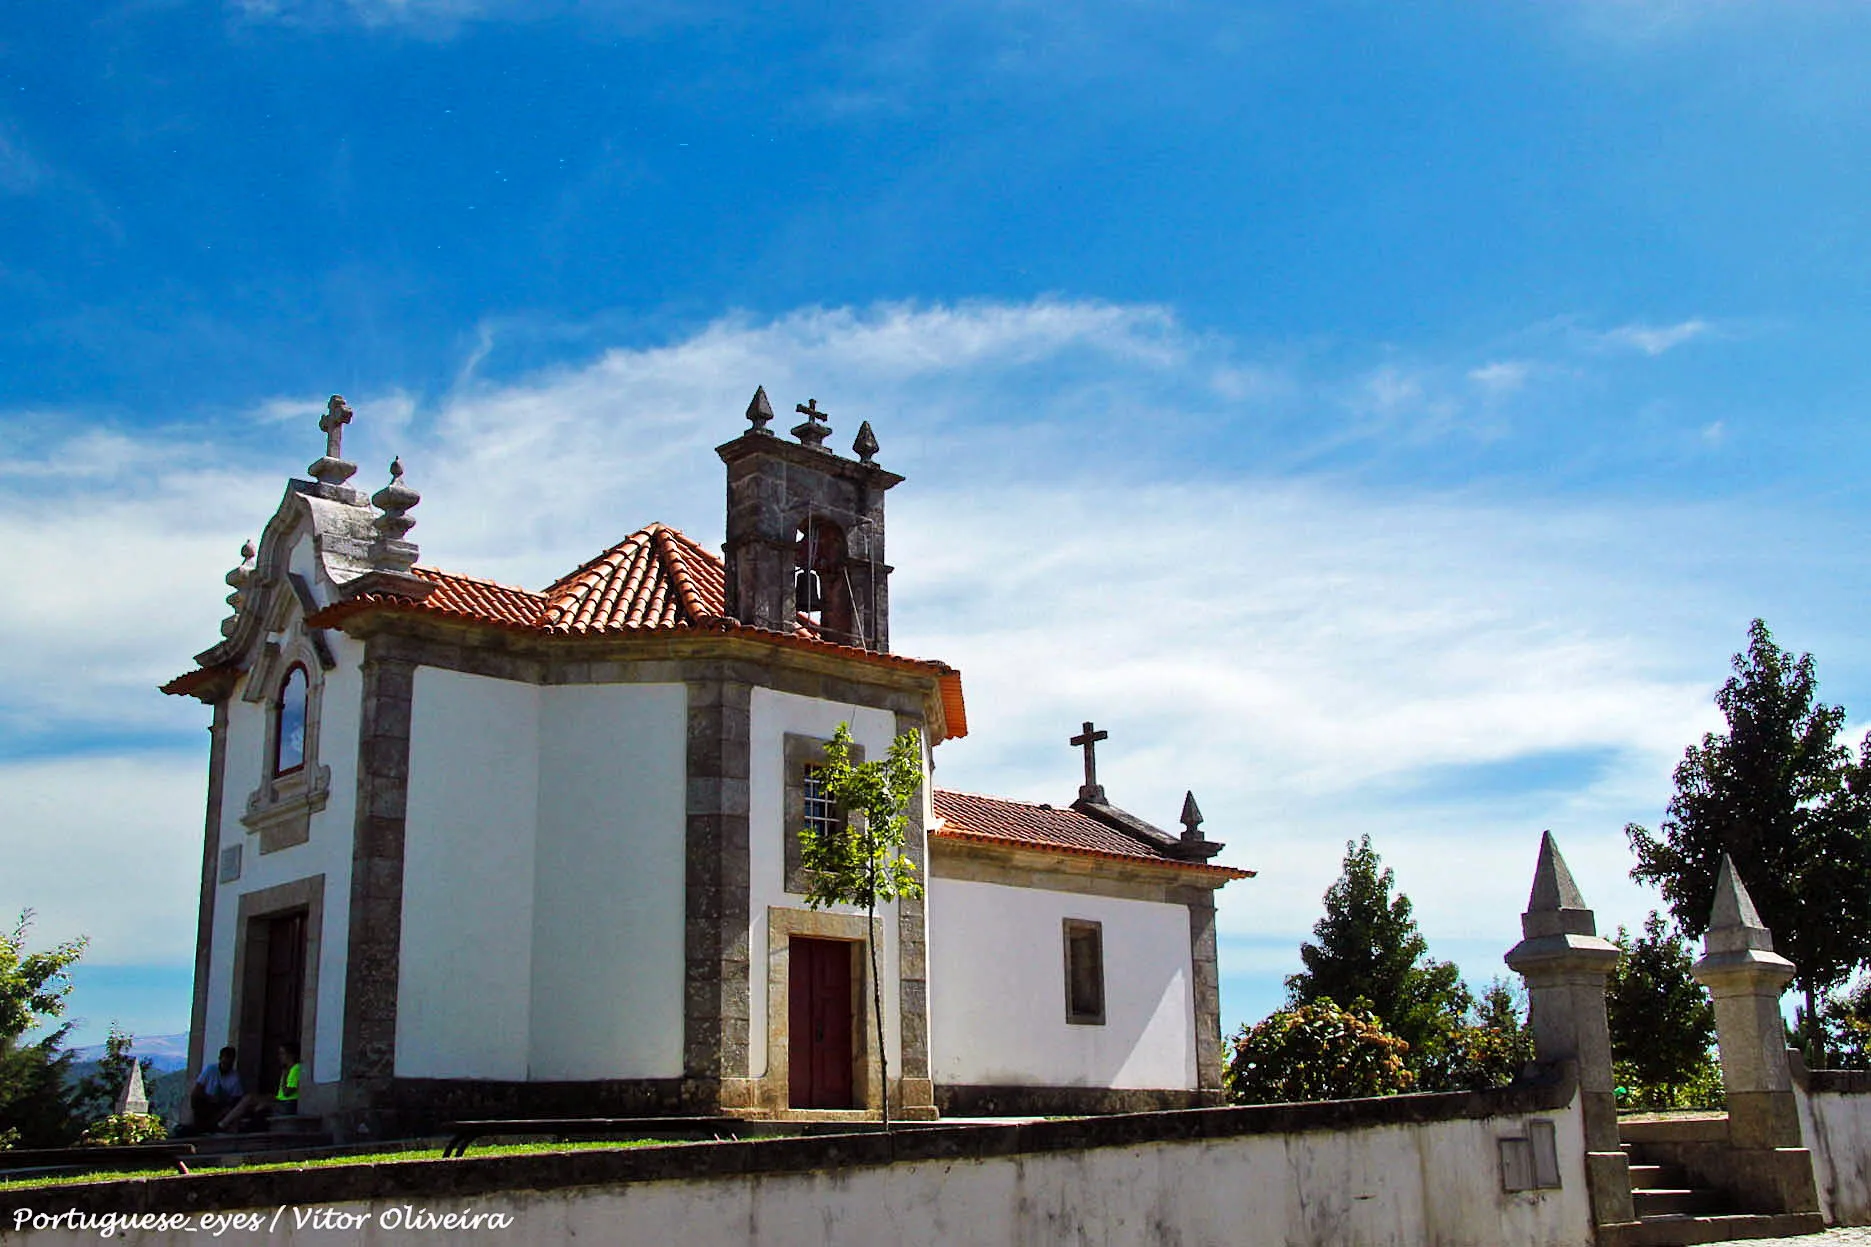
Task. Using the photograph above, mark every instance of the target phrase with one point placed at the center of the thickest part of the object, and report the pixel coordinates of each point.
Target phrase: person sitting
(216, 1090)
(254, 1108)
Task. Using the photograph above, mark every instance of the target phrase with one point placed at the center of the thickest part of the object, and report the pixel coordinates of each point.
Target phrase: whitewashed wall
(1379, 1186)
(463, 995)
(773, 715)
(543, 881)
(1837, 1129)
(997, 990)
(608, 885)
(327, 851)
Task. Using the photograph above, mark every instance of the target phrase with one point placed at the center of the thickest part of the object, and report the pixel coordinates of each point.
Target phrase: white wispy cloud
(1501, 377)
(1656, 339)
(1315, 657)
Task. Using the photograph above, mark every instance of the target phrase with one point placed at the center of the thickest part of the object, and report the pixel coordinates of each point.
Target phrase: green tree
(1316, 1051)
(1662, 1022)
(1846, 1020)
(1370, 953)
(861, 861)
(1779, 794)
(1492, 1049)
(35, 1101)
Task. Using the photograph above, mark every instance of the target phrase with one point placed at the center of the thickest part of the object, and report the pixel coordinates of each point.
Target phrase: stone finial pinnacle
(1191, 818)
(132, 1097)
(760, 412)
(1735, 926)
(1553, 886)
(1555, 907)
(238, 579)
(1733, 906)
(865, 447)
(390, 551)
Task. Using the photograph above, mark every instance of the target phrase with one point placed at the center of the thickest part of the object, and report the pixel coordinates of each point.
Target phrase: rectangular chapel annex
(484, 851)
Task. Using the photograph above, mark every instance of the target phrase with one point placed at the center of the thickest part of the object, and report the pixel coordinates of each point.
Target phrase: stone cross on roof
(334, 469)
(813, 430)
(1091, 790)
(331, 424)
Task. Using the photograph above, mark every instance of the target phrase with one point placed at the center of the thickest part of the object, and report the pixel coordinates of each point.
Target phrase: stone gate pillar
(1746, 976)
(1565, 964)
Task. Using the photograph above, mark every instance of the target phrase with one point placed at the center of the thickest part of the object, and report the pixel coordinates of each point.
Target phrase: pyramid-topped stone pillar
(1565, 962)
(1746, 976)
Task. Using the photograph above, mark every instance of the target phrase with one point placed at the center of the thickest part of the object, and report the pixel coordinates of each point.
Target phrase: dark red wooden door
(284, 993)
(819, 1023)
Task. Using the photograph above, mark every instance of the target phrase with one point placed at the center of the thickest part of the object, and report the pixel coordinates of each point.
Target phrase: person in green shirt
(286, 1099)
(255, 1107)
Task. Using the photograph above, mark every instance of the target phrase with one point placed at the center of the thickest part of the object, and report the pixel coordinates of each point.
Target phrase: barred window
(808, 805)
(821, 815)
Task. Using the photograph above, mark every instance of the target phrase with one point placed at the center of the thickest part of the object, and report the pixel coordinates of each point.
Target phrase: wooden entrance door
(819, 1023)
(282, 994)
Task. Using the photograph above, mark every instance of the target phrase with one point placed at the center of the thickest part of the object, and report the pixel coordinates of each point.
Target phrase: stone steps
(1672, 1210)
(1679, 1230)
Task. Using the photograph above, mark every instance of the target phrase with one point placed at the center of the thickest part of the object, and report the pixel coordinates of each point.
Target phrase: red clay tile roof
(470, 597)
(655, 578)
(966, 816)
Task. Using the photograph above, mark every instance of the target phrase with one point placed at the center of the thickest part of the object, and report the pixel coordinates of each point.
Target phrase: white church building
(486, 851)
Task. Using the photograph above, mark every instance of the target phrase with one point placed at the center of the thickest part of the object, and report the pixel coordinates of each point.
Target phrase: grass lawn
(369, 1158)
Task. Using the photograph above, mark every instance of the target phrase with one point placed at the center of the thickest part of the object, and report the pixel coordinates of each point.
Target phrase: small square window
(1084, 972)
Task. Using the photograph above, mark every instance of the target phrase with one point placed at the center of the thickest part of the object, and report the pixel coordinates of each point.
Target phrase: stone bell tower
(805, 539)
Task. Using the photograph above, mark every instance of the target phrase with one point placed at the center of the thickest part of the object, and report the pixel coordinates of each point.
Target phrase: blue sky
(1383, 418)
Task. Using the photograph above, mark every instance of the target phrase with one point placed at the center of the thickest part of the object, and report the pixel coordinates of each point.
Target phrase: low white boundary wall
(1404, 1170)
(1835, 1118)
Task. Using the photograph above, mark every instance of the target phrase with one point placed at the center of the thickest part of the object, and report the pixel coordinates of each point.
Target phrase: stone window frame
(800, 752)
(1079, 934)
(280, 810)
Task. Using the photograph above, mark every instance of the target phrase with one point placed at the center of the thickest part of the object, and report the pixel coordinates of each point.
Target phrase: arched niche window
(290, 717)
(821, 586)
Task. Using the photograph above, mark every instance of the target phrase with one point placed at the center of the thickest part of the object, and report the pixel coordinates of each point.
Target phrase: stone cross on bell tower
(1091, 789)
(813, 430)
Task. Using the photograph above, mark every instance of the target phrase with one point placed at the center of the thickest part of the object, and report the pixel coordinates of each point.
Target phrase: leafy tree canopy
(1662, 1022)
(1789, 803)
(35, 1102)
(862, 861)
(1369, 951)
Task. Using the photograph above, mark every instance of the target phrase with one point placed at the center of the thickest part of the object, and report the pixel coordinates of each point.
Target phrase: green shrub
(1700, 1087)
(1316, 1051)
(123, 1128)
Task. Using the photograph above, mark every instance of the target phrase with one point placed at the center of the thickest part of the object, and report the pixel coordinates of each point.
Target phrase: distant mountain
(165, 1052)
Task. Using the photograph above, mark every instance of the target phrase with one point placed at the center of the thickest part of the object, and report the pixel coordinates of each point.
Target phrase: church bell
(806, 594)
